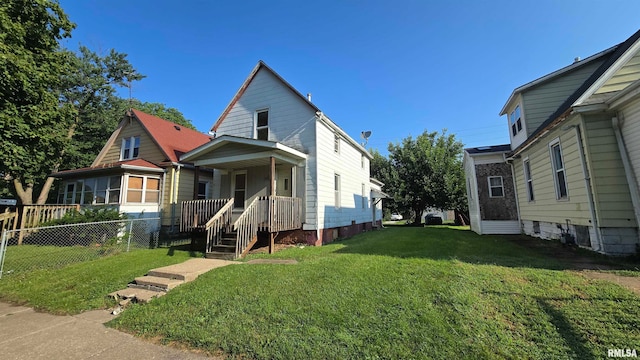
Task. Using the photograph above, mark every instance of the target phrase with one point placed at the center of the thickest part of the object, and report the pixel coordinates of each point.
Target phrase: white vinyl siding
(631, 134)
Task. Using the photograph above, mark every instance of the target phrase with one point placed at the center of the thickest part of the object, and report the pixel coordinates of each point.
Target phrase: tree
(427, 172)
(32, 122)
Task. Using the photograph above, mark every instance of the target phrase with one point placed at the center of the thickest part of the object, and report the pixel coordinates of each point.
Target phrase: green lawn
(81, 286)
(403, 292)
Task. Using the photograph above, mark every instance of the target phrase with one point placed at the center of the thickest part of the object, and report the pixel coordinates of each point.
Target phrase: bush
(87, 215)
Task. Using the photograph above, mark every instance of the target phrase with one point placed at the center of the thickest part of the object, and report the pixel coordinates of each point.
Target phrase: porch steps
(226, 250)
(158, 281)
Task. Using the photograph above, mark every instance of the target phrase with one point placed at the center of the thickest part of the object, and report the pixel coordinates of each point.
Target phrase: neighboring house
(491, 190)
(271, 141)
(575, 140)
(138, 171)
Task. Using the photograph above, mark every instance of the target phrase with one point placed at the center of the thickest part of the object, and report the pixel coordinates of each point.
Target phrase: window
(240, 189)
(364, 199)
(336, 144)
(113, 193)
(496, 188)
(336, 187)
(142, 189)
(203, 190)
(262, 124)
(362, 161)
(102, 190)
(130, 148)
(559, 177)
(527, 179)
(515, 120)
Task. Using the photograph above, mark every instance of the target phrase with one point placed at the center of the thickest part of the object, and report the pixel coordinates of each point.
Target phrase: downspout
(587, 183)
(628, 169)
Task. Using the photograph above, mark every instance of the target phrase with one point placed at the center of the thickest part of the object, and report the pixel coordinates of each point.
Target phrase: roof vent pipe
(576, 59)
(309, 97)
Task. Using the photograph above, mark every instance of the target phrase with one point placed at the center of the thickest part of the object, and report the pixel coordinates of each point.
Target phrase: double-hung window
(515, 120)
(528, 180)
(336, 187)
(559, 174)
(496, 187)
(130, 148)
(262, 124)
(336, 144)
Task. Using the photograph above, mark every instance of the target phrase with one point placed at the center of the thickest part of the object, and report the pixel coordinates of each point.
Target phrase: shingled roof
(172, 139)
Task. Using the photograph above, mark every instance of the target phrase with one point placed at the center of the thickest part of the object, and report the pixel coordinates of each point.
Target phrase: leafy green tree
(32, 122)
(427, 172)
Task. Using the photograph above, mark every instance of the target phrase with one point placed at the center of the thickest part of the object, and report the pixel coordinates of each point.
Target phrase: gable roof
(245, 85)
(565, 108)
(489, 149)
(172, 139)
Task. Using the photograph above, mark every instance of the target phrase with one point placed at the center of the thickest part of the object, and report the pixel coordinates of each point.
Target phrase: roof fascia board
(625, 95)
(331, 125)
(141, 168)
(225, 140)
(617, 65)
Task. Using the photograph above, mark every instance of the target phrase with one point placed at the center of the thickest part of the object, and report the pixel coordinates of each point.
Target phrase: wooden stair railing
(218, 225)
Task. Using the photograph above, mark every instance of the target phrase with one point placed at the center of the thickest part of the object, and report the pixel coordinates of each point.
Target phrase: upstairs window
(130, 148)
(336, 188)
(496, 187)
(516, 121)
(559, 173)
(262, 124)
(336, 144)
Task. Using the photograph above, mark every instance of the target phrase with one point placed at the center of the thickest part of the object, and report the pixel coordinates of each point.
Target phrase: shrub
(87, 215)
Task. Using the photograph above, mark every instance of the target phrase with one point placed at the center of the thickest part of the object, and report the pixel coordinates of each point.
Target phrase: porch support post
(272, 188)
(196, 179)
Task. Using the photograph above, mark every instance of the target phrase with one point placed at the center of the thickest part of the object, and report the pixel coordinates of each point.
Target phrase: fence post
(3, 248)
(130, 232)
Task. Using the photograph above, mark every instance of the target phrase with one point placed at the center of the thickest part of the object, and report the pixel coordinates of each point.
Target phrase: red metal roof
(173, 139)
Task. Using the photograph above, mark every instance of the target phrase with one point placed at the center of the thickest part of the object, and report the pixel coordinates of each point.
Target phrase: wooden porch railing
(267, 213)
(194, 214)
(34, 215)
(219, 224)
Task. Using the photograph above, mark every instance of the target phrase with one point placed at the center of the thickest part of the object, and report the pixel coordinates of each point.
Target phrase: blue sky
(395, 68)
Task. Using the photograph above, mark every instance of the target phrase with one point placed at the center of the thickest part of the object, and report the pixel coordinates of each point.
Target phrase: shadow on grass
(459, 243)
(184, 247)
(573, 339)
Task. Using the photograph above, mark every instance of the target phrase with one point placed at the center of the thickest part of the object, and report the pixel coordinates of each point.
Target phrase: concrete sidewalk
(26, 334)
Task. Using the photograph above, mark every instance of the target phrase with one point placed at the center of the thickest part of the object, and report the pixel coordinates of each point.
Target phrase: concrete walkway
(26, 334)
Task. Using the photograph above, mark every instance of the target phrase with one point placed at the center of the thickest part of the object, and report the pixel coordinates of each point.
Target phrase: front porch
(231, 234)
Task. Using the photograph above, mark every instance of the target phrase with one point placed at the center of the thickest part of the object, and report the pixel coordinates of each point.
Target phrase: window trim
(528, 180)
(491, 187)
(143, 190)
(364, 202)
(64, 194)
(515, 124)
(555, 171)
(337, 187)
(132, 148)
(336, 143)
(206, 190)
(256, 128)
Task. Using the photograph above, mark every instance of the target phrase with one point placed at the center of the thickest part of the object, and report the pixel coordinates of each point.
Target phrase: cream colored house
(575, 140)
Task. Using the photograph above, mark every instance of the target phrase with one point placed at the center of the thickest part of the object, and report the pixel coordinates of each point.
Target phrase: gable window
(496, 188)
(336, 144)
(143, 189)
(516, 121)
(527, 179)
(262, 124)
(559, 174)
(336, 188)
(130, 148)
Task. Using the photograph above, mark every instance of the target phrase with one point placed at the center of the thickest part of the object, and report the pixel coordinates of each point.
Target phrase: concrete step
(220, 255)
(137, 295)
(163, 283)
(188, 270)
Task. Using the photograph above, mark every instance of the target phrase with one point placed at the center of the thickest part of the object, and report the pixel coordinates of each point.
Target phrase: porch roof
(232, 152)
(116, 167)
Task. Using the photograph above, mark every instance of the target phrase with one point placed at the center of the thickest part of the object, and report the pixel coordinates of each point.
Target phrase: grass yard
(81, 286)
(403, 292)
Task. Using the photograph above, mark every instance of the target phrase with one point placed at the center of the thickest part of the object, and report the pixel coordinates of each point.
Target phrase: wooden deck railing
(219, 224)
(8, 220)
(267, 213)
(34, 215)
(194, 214)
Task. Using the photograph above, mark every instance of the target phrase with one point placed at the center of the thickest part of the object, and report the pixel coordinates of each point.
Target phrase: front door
(239, 189)
(283, 182)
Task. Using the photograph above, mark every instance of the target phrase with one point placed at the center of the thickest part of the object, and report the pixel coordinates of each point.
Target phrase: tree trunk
(25, 195)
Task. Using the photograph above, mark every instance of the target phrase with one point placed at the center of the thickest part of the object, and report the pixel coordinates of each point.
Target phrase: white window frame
(528, 179)
(233, 188)
(144, 190)
(256, 128)
(337, 186)
(364, 202)
(491, 187)
(557, 170)
(336, 143)
(515, 124)
(132, 147)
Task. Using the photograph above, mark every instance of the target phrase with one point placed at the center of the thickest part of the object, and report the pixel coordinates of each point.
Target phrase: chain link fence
(51, 247)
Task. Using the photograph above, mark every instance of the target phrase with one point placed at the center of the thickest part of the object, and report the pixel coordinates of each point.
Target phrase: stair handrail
(254, 218)
(219, 224)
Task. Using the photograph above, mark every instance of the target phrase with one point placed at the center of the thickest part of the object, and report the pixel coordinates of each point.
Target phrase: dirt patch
(630, 282)
(265, 249)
